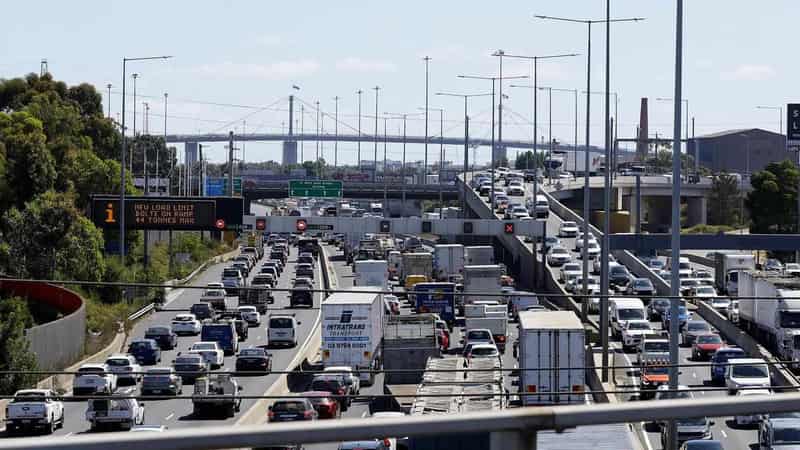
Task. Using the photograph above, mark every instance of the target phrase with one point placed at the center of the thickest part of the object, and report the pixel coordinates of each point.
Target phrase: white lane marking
(170, 416)
(694, 374)
(364, 414)
(646, 437)
(68, 434)
(724, 434)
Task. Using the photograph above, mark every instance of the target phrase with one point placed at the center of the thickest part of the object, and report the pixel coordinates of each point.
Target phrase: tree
(772, 203)
(529, 160)
(50, 238)
(723, 201)
(30, 166)
(15, 352)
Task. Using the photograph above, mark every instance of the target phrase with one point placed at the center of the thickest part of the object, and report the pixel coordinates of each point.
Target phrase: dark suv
(163, 336)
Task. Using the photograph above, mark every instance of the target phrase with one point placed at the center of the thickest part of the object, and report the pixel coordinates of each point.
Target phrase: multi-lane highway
(177, 413)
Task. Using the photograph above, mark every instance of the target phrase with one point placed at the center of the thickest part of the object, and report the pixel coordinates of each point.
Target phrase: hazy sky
(250, 53)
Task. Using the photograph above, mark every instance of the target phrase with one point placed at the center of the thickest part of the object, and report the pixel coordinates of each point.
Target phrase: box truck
(727, 267)
(352, 330)
(478, 255)
(436, 298)
(420, 263)
(553, 339)
(371, 272)
(448, 261)
(774, 316)
(489, 317)
(482, 279)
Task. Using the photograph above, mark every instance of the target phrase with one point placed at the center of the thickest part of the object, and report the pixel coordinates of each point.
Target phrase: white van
(624, 310)
(541, 207)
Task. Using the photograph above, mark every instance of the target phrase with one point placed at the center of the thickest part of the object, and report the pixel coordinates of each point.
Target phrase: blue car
(683, 316)
(146, 351)
(719, 359)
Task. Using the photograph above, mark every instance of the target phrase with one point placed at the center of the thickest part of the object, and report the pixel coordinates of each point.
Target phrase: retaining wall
(61, 342)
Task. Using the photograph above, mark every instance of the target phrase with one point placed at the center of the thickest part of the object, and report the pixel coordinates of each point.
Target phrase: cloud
(750, 72)
(280, 70)
(355, 64)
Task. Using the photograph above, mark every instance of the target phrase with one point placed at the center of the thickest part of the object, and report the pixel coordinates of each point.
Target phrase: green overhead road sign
(299, 188)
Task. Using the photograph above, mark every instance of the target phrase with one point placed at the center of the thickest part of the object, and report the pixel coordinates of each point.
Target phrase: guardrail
(509, 429)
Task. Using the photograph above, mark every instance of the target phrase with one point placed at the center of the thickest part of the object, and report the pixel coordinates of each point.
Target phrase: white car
(558, 256)
(33, 410)
(186, 324)
(599, 261)
(703, 292)
(250, 315)
(125, 368)
(210, 351)
(124, 413)
(568, 270)
(477, 351)
(215, 285)
(479, 336)
(752, 418)
(577, 284)
(746, 373)
(593, 249)
(633, 331)
(791, 270)
(94, 379)
(580, 241)
(515, 191)
(568, 229)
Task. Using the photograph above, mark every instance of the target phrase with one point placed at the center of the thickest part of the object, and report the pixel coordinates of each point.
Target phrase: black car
(304, 270)
(641, 286)
(657, 307)
(302, 297)
(279, 255)
(163, 336)
(202, 311)
(619, 276)
(290, 410)
(254, 359)
(305, 259)
(241, 325)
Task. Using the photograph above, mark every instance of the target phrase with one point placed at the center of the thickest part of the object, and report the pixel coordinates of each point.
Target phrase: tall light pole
(108, 86)
(375, 154)
(493, 80)
(122, 156)
(427, 60)
(550, 131)
(302, 133)
(534, 73)
(169, 184)
(499, 53)
(336, 133)
(466, 97)
(772, 108)
(317, 158)
(604, 250)
(441, 145)
(359, 92)
(135, 76)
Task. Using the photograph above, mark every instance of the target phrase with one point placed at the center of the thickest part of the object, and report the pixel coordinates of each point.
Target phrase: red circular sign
(301, 225)
(220, 224)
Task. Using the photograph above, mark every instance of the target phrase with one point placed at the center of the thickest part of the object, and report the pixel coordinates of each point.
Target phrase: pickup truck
(210, 351)
(94, 379)
(34, 410)
(216, 392)
(124, 413)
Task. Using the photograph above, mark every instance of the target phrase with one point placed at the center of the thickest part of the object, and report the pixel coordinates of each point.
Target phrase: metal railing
(516, 428)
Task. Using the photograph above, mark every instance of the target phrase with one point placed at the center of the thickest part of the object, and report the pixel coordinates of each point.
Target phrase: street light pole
(375, 154)
(604, 254)
(492, 79)
(336, 133)
(122, 156)
(302, 134)
(466, 97)
(318, 136)
(427, 60)
(109, 99)
(359, 92)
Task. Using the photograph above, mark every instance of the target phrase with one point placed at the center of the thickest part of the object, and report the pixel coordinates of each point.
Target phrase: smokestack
(641, 145)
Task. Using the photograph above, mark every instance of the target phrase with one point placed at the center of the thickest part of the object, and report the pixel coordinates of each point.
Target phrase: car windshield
(484, 351)
(118, 362)
(642, 284)
(656, 263)
(571, 267)
(725, 356)
(790, 319)
(289, 406)
(691, 422)
(280, 322)
(560, 250)
(697, 326)
(639, 326)
(204, 346)
(29, 397)
(138, 346)
(232, 273)
(673, 395)
(478, 334)
(183, 319)
(705, 290)
(251, 352)
(630, 314)
(787, 435)
(618, 270)
(656, 346)
(327, 385)
(157, 330)
(750, 371)
(684, 266)
(660, 303)
(710, 339)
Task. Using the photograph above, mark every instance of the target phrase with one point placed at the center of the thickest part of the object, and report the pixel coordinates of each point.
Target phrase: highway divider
(308, 351)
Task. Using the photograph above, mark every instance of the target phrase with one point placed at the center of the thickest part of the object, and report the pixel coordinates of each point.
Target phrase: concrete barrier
(780, 375)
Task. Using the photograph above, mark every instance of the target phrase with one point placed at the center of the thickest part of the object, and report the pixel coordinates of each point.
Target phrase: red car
(705, 345)
(444, 339)
(327, 407)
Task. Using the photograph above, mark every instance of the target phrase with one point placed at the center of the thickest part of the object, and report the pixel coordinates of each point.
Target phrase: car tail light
(387, 443)
(577, 388)
(342, 391)
(531, 388)
(271, 415)
(308, 414)
(501, 338)
(367, 354)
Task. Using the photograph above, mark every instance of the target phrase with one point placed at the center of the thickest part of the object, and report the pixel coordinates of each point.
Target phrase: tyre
(52, 426)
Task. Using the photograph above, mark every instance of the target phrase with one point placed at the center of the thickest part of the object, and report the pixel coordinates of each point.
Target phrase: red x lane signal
(508, 228)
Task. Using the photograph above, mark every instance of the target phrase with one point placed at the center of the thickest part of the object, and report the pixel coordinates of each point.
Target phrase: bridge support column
(697, 209)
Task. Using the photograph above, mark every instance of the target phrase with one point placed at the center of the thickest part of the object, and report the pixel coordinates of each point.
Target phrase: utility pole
(109, 99)
(359, 92)
(135, 76)
(317, 158)
(302, 131)
(375, 155)
(499, 54)
(385, 177)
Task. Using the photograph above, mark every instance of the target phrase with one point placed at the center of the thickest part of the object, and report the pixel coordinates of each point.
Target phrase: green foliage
(724, 200)
(50, 238)
(707, 229)
(529, 160)
(773, 201)
(15, 352)
(30, 169)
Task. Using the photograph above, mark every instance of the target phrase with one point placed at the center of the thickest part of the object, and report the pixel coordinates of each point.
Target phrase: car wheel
(52, 428)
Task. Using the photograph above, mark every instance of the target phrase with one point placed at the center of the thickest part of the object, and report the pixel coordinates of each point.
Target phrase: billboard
(168, 213)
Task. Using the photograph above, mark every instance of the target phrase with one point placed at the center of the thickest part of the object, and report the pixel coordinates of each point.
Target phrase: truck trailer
(479, 255)
(727, 267)
(774, 315)
(371, 272)
(482, 279)
(448, 261)
(352, 331)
